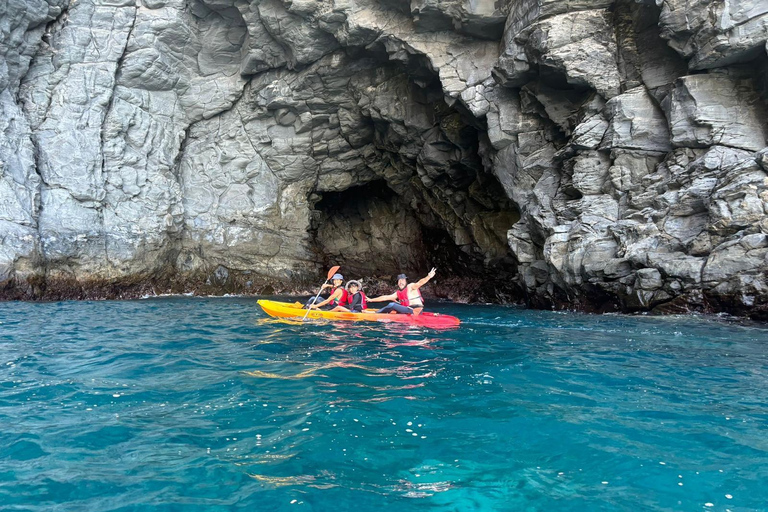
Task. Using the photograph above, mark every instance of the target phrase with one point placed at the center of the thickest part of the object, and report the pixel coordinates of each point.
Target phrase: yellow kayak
(296, 310)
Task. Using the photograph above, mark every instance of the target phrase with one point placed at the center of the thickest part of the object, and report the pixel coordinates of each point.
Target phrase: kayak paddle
(330, 274)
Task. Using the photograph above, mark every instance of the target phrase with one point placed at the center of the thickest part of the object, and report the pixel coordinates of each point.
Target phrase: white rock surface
(603, 154)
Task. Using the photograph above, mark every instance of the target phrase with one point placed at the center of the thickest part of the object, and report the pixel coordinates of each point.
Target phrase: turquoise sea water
(205, 405)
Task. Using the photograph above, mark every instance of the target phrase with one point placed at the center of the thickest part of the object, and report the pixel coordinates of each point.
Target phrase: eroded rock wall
(654, 182)
(607, 154)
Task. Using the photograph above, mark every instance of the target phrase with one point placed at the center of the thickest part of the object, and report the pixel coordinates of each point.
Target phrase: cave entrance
(435, 200)
(373, 233)
(369, 231)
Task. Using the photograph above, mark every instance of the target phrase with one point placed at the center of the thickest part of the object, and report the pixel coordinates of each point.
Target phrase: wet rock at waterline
(606, 154)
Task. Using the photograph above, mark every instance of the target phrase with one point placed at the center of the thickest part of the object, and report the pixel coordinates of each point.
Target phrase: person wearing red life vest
(338, 294)
(355, 300)
(408, 297)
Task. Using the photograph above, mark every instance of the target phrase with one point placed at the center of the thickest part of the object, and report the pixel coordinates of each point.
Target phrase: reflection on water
(205, 404)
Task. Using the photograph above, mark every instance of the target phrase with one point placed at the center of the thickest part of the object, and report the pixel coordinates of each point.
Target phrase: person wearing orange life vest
(355, 300)
(338, 294)
(408, 296)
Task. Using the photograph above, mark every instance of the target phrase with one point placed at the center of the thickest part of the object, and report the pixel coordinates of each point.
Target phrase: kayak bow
(296, 310)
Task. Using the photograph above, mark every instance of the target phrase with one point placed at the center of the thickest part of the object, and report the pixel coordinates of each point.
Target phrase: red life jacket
(402, 297)
(349, 298)
(364, 301)
(344, 295)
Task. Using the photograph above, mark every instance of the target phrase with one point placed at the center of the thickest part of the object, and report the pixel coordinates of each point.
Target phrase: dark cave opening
(435, 201)
(369, 231)
(373, 234)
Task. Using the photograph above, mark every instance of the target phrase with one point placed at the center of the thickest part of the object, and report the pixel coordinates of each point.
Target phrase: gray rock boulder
(715, 34)
(716, 109)
(482, 19)
(578, 45)
(635, 121)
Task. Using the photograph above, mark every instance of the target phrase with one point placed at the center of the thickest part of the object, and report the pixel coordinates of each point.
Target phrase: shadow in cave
(369, 231)
(440, 204)
(373, 234)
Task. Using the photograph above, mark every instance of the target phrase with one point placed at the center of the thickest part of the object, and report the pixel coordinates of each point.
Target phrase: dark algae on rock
(606, 155)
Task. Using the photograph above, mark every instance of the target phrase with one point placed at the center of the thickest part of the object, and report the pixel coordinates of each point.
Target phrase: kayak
(296, 310)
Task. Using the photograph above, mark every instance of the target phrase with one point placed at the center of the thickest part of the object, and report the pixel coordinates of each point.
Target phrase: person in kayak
(408, 297)
(355, 300)
(338, 294)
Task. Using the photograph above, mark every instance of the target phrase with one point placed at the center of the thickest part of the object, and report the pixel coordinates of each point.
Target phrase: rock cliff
(602, 154)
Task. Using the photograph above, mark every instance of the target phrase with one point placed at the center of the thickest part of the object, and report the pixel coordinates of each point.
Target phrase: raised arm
(384, 298)
(418, 284)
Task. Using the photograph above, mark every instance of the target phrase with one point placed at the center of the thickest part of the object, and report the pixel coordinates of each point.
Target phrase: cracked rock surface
(599, 154)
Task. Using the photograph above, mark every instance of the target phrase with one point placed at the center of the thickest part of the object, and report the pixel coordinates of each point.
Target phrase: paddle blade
(332, 271)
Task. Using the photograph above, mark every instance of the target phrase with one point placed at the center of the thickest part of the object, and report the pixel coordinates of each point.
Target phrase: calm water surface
(204, 404)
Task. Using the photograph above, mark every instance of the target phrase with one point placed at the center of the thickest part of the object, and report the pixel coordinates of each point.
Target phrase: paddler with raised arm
(338, 294)
(408, 299)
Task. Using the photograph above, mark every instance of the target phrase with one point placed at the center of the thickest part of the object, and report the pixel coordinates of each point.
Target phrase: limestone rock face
(714, 109)
(715, 34)
(601, 154)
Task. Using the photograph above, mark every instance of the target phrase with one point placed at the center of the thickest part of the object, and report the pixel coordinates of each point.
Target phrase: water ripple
(205, 404)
